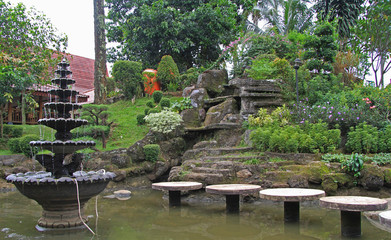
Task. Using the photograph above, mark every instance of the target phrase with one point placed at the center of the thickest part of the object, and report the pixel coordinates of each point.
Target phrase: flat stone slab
(177, 186)
(291, 194)
(385, 218)
(353, 203)
(232, 189)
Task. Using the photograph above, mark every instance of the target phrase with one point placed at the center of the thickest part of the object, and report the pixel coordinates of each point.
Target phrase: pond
(146, 215)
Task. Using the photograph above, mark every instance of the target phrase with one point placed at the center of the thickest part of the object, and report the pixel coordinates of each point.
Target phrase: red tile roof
(83, 73)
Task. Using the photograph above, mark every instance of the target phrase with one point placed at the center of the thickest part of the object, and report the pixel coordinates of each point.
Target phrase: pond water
(146, 215)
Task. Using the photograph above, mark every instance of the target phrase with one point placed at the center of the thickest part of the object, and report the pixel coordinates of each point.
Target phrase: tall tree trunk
(1, 121)
(23, 107)
(100, 52)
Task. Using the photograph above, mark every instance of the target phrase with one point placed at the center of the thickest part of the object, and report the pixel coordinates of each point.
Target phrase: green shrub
(280, 115)
(13, 145)
(150, 104)
(354, 164)
(12, 131)
(25, 147)
(313, 138)
(146, 111)
(167, 71)
(385, 139)
(128, 76)
(362, 139)
(151, 152)
(190, 77)
(153, 110)
(182, 104)
(165, 103)
(94, 131)
(140, 119)
(157, 96)
(164, 122)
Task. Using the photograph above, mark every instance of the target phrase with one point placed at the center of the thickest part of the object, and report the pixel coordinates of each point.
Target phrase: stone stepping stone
(232, 193)
(174, 190)
(351, 208)
(291, 198)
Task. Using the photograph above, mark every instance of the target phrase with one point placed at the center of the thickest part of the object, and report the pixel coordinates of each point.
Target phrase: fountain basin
(62, 199)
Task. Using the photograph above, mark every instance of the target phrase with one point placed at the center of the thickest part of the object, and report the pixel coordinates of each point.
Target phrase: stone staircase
(218, 165)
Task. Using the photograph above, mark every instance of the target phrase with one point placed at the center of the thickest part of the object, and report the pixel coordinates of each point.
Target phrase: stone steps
(202, 152)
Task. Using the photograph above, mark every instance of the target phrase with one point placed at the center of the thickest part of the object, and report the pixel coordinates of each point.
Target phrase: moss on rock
(331, 182)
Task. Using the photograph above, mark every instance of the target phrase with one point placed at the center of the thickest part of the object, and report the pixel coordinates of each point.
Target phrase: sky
(75, 18)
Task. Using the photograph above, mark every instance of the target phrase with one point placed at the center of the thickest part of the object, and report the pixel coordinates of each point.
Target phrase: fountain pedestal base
(62, 219)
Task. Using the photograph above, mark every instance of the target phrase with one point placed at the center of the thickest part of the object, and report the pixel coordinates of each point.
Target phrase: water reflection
(147, 216)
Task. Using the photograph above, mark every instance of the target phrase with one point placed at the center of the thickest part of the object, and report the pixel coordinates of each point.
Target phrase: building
(82, 72)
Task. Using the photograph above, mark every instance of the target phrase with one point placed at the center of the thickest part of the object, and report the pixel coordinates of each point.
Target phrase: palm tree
(345, 11)
(285, 16)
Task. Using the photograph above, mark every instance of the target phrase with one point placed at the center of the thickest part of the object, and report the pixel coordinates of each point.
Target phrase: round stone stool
(174, 190)
(232, 193)
(291, 198)
(351, 208)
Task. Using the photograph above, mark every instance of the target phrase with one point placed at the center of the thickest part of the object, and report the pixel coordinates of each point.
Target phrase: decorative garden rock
(197, 97)
(217, 113)
(372, 177)
(191, 117)
(213, 81)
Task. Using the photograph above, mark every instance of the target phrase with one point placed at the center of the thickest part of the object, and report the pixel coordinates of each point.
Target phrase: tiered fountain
(63, 189)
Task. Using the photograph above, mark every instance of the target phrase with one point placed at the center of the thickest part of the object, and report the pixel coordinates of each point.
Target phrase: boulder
(213, 81)
(372, 178)
(197, 97)
(187, 91)
(191, 118)
(217, 113)
(245, 173)
(298, 181)
(120, 160)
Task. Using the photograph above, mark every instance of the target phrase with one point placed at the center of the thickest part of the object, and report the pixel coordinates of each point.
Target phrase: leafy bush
(165, 103)
(343, 111)
(13, 145)
(164, 122)
(380, 158)
(280, 115)
(182, 104)
(140, 119)
(128, 76)
(311, 138)
(25, 147)
(167, 71)
(339, 158)
(150, 103)
(153, 110)
(362, 139)
(151, 152)
(157, 96)
(94, 131)
(12, 131)
(354, 164)
(385, 139)
(190, 77)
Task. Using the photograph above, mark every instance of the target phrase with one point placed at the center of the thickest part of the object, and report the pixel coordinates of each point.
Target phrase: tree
(27, 43)
(167, 72)
(97, 116)
(296, 15)
(189, 31)
(321, 49)
(100, 53)
(128, 76)
(345, 11)
(373, 36)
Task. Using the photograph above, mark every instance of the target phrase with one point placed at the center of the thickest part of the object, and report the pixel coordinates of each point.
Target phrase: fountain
(63, 189)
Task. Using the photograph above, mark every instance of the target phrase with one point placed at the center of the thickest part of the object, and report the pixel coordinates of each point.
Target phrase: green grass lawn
(125, 131)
